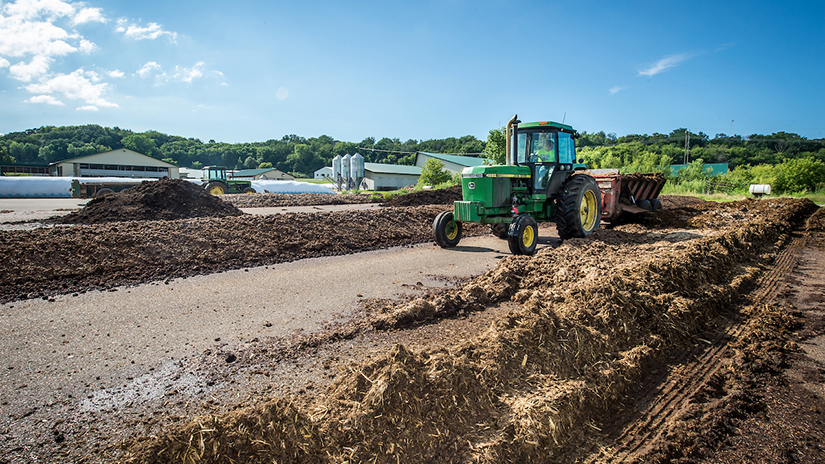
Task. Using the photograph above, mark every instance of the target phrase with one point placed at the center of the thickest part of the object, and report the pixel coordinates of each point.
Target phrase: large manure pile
(588, 318)
(163, 199)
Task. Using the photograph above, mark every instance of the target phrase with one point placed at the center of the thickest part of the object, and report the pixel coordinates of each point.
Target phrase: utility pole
(687, 146)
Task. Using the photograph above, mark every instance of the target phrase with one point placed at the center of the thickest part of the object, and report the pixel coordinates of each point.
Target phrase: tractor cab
(214, 173)
(549, 150)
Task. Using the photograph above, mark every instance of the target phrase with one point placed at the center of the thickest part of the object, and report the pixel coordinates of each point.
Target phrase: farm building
(22, 169)
(116, 163)
(261, 174)
(378, 176)
(454, 163)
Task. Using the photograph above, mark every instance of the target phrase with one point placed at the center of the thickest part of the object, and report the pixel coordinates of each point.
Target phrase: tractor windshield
(536, 147)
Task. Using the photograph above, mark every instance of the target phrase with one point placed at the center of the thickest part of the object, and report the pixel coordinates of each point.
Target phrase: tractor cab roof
(546, 124)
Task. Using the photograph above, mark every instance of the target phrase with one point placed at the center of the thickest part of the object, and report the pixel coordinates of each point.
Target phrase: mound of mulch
(590, 316)
(165, 199)
(427, 197)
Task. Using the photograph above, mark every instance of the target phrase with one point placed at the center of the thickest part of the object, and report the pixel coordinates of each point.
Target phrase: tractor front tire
(215, 188)
(447, 230)
(249, 190)
(578, 207)
(522, 237)
(500, 230)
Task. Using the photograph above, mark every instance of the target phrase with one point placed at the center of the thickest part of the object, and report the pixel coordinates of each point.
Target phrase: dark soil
(164, 199)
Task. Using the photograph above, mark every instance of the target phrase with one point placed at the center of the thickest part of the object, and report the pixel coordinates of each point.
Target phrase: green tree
(140, 143)
(800, 175)
(265, 165)
(496, 144)
(433, 173)
(5, 157)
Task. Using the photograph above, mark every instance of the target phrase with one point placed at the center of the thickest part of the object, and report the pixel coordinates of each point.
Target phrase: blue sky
(258, 70)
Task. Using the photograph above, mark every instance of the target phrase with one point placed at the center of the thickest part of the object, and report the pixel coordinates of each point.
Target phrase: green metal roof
(717, 168)
(392, 169)
(465, 161)
(542, 124)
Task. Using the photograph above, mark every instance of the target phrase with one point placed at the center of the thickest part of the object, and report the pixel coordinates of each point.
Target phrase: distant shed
(116, 163)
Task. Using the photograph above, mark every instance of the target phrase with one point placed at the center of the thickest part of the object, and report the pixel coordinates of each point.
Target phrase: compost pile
(276, 200)
(49, 261)
(532, 386)
(427, 197)
(165, 199)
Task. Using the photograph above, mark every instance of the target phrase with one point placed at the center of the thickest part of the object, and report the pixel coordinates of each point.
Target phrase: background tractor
(216, 183)
(543, 182)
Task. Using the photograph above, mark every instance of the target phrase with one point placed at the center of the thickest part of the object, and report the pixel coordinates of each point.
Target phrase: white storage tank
(336, 167)
(357, 166)
(758, 190)
(345, 166)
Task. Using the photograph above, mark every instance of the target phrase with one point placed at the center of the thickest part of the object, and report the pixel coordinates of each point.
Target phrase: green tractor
(215, 182)
(540, 182)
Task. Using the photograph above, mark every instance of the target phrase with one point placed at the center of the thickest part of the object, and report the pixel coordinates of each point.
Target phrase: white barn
(116, 163)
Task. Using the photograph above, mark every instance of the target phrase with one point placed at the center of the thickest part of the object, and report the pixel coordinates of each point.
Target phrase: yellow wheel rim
(588, 210)
(216, 191)
(528, 237)
(451, 230)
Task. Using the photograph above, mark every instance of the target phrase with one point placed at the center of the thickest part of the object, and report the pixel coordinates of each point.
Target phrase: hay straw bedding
(589, 317)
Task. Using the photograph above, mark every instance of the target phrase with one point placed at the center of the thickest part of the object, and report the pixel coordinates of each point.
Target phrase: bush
(433, 173)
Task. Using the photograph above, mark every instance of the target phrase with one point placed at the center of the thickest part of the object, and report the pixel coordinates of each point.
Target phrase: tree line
(782, 157)
(290, 153)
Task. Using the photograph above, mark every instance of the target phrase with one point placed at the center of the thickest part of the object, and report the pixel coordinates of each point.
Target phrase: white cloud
(87, 108)
(86, 46)
(663, 64)
(117, 74)
(79, 85)
(88, 15)
(616, 90)
(48, 99)
(147, 69)
(29, 9)
(25, 72)
(135, 32)
(4, 63)
(188, 74)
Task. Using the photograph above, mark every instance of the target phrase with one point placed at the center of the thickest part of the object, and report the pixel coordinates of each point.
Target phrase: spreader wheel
(523, 236)
(447, 230)
(578, 207)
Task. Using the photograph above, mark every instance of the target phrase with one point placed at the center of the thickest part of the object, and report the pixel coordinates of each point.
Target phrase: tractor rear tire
(447, 230)
(500, 230)
(216, 188)
(578, 207)
(522, 237)
(103, 192)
